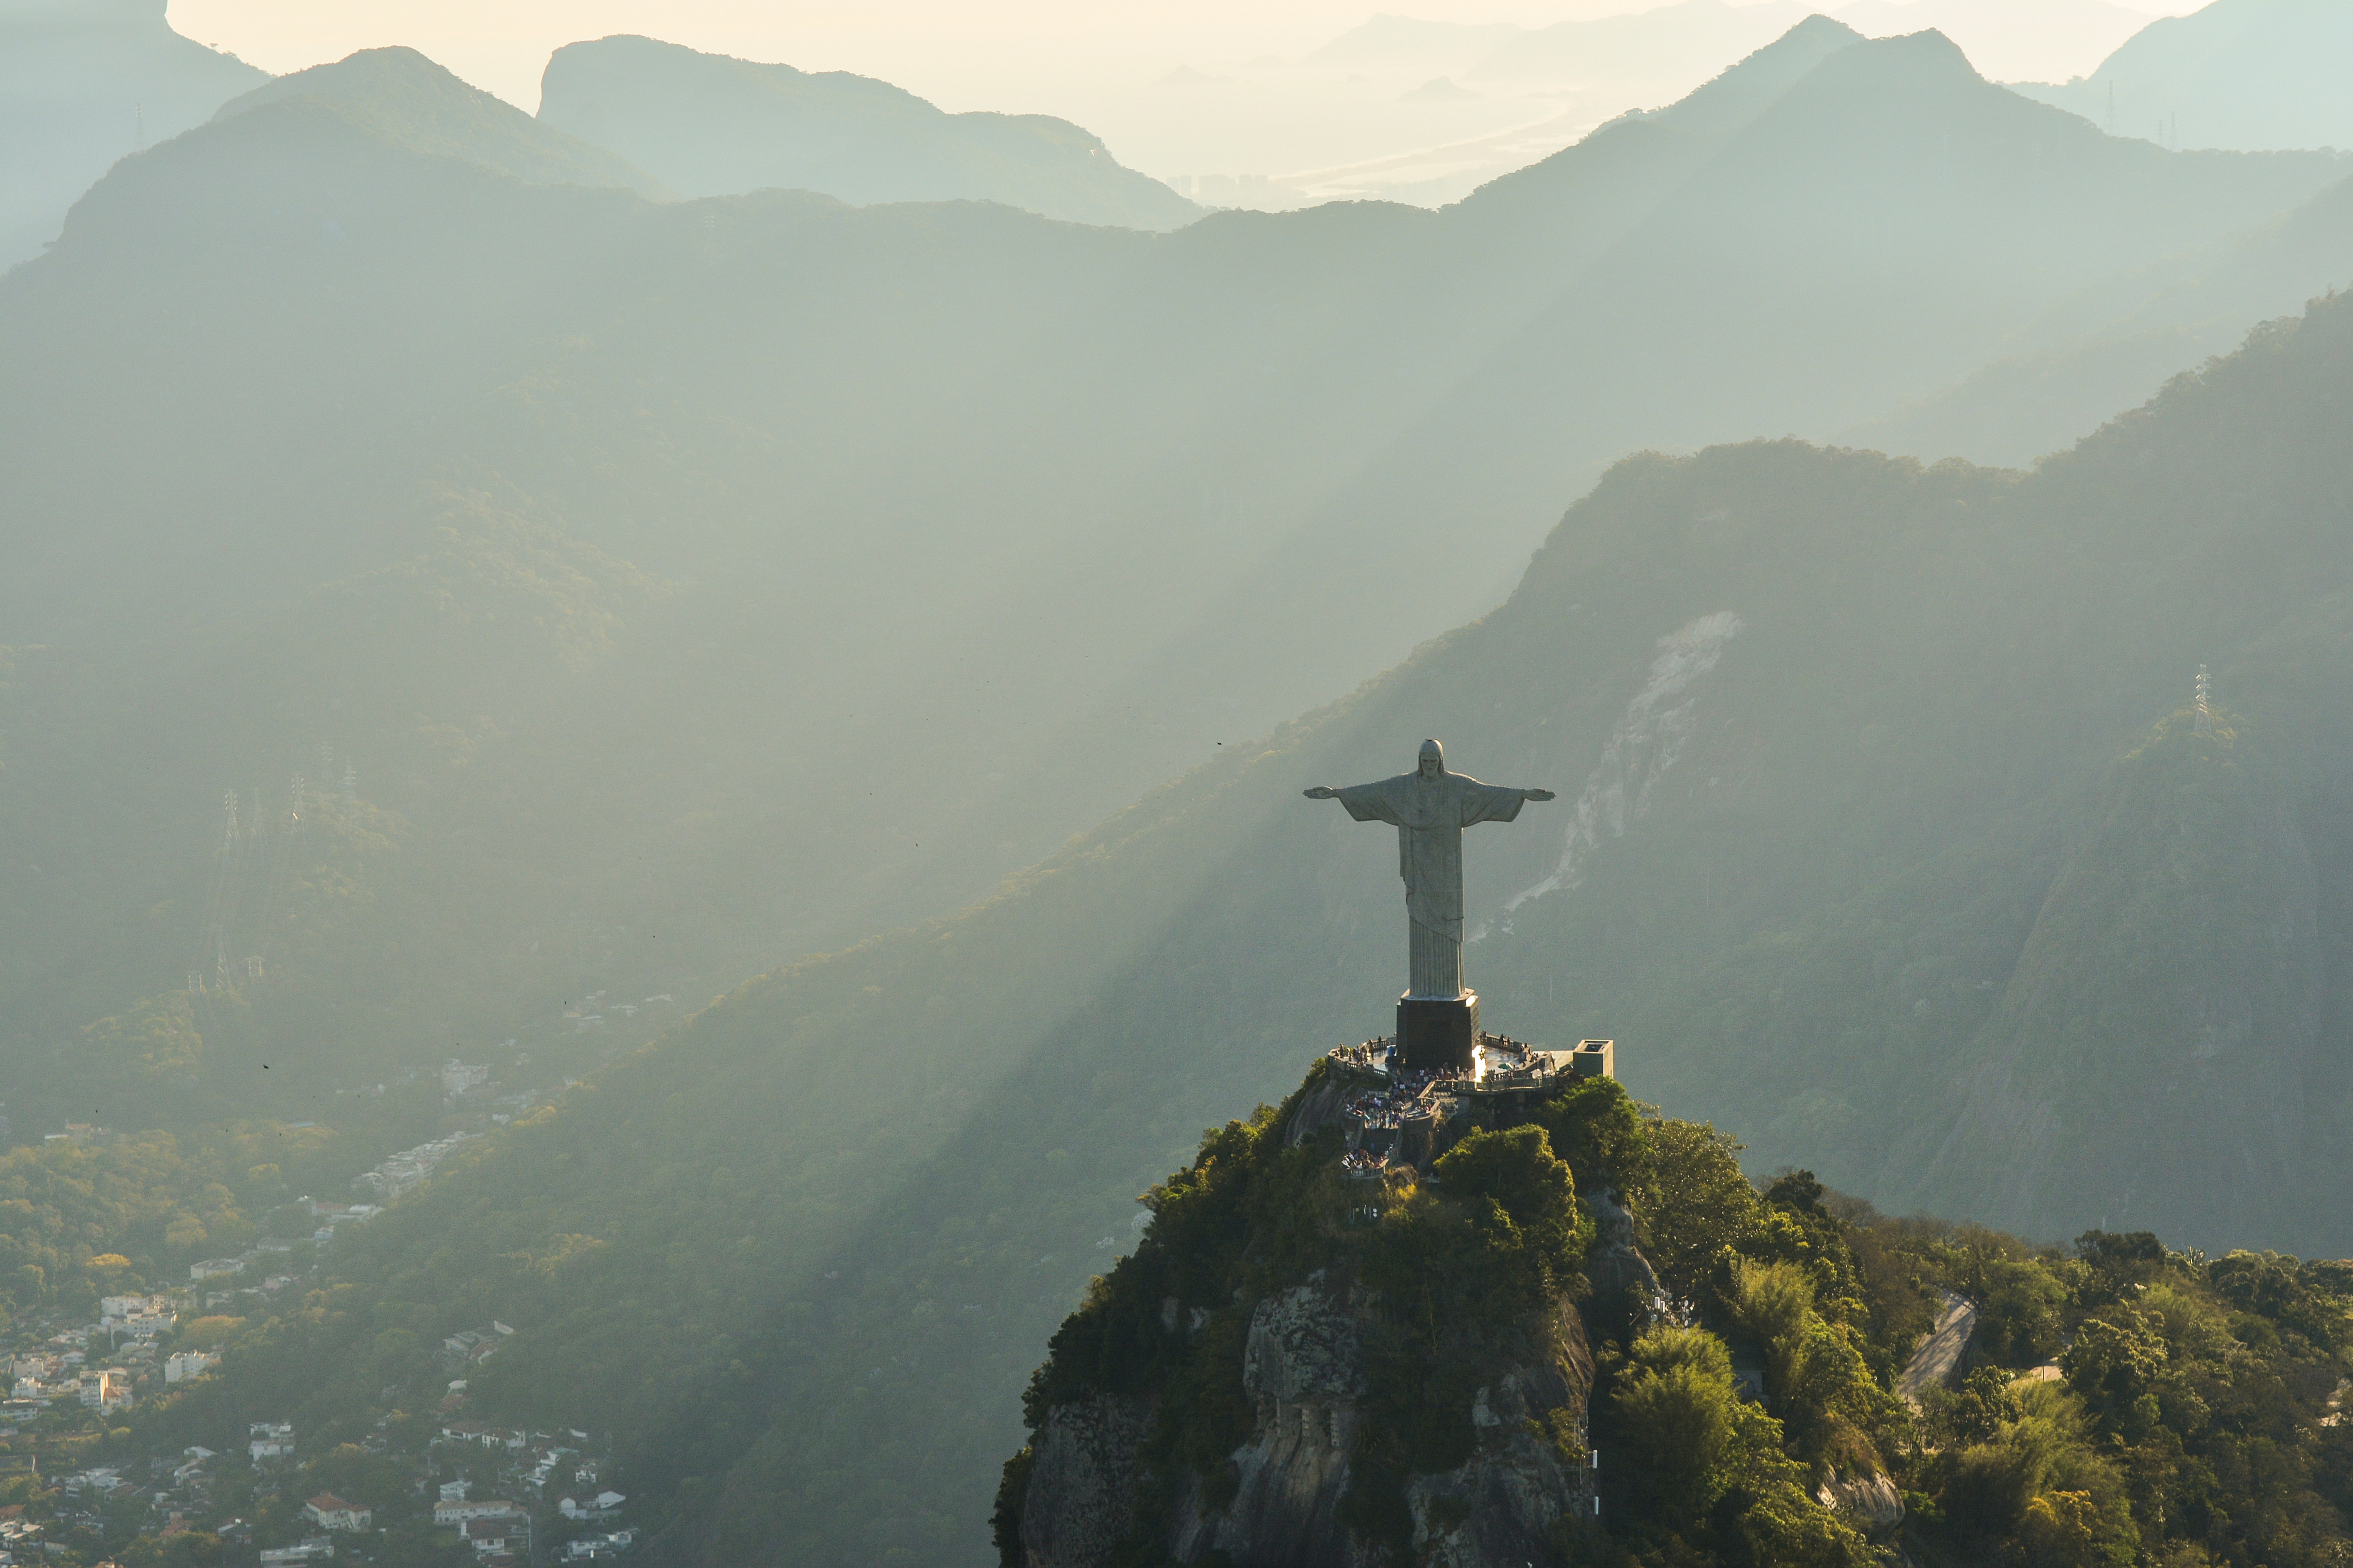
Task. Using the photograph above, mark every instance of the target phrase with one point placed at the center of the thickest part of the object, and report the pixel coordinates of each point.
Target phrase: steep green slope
(711, 125)
(434, 717)
(1833, 738)
(2178, 1406)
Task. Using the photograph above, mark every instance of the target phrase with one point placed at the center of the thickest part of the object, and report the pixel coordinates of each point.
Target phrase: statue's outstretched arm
(1320, 793)
(1536, 795)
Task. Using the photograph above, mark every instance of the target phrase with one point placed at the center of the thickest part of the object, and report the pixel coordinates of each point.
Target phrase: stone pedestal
(1435, 1034)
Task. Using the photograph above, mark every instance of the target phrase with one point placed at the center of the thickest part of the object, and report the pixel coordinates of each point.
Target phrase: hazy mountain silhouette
(403, 100)
(1079, 502)
(2020, 944)
(83, 82)
(2235, 73)
(2116, 344)
(711, 125)
(1406, 44)
(2007, 39)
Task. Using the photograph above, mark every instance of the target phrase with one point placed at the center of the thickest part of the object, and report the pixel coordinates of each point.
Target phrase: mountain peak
(1743, 89)
(399, 96)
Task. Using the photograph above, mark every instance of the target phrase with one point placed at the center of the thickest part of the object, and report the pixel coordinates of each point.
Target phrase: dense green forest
(92, 1217)
(2124, 1402)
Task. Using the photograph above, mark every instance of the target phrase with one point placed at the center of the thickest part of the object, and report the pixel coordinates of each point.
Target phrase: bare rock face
(1319, 1108)
(1303, 1345)
(1499, 1507)
(1617, 1263)
(1304, 1364)
(1082, 1483)
(1869, 1502)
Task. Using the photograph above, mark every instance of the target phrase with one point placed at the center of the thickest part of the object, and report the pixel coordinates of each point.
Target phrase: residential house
(457, 1510)
(182, 1366)
(270, 1440)
(593, 1546)
(331, 1513)
(214, 1268)
(316, 1549)
(489, 1536)
(602, 1505)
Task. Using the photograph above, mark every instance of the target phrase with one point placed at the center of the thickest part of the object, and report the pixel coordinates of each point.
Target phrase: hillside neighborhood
(431, 1487)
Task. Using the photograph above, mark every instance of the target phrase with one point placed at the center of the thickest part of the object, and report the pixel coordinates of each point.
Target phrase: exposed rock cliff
(1293, 1370)
(1083, 1481)
(1307, 1367)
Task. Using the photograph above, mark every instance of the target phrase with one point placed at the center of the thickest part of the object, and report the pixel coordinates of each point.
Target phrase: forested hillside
(1772, 1403)
(1170, 488)
(2028, 948)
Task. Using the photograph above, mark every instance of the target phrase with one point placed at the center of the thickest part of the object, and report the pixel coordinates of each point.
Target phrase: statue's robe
(1430, 815)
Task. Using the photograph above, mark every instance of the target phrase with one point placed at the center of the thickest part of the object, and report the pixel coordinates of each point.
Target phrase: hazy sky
(1091, 61)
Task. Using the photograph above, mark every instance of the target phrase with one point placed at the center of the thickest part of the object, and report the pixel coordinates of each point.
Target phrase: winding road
(1939, 1353)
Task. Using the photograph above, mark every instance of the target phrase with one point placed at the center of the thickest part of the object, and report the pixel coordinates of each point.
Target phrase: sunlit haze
(1175, 784)
(1218, 89)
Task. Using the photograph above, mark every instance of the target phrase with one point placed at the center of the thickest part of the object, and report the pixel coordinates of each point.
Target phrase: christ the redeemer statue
(1430, 807)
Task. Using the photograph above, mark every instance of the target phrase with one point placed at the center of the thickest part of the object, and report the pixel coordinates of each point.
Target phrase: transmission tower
(351, 783)
(294, 819)
(2205, 714)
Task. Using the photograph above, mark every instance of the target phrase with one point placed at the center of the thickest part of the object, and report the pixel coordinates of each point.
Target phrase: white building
(601, 1506)
(331, 1512)
(270, 1440)
(182, 1366)
(591, 1546)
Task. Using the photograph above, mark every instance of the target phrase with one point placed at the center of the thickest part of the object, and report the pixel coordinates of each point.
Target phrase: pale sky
(1102, 64)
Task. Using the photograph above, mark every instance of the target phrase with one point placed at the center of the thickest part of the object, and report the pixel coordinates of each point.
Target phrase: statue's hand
(1538, 793)
(1319, 793)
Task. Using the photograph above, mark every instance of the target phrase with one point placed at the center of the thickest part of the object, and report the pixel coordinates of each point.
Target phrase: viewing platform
(1394, 1116)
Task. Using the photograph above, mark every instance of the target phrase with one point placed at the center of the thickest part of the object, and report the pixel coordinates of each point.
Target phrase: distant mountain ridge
(2244, 74)
(82, 83)
(399, 97)
(711, 125)
(1030, 487)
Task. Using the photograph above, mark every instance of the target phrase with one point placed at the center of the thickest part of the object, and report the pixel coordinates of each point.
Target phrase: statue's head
(1433, 759)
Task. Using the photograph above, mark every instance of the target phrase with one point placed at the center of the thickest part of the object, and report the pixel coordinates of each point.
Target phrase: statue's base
(1435, 1034)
